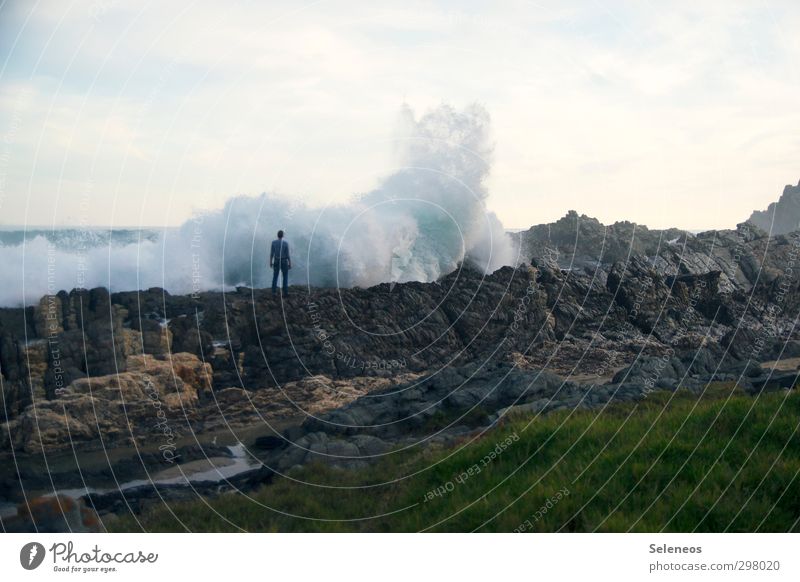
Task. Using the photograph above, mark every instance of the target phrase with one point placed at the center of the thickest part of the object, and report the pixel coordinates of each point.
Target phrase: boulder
(152, 397)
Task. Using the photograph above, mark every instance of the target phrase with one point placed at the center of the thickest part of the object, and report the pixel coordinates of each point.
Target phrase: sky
(140, 113)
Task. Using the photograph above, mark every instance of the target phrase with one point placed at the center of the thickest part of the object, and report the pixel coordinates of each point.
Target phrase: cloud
(161, 105)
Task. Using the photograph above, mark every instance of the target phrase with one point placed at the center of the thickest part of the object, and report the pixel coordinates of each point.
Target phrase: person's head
(280, 234)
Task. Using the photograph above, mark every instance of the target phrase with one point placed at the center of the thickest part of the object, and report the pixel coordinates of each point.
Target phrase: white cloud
(666, 115)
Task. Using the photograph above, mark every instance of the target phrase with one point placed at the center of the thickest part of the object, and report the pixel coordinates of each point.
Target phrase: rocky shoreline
(345, 376)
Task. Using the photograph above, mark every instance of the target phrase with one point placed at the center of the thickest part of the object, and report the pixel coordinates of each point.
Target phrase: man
(280, 262)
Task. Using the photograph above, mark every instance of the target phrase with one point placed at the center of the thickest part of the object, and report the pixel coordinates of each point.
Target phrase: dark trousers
(280, 267)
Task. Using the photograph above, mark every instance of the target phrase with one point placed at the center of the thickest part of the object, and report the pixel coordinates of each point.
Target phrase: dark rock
(780, 217)
(771, 382)
(269, 443)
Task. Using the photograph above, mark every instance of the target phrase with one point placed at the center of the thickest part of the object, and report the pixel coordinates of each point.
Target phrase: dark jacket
(279, 251)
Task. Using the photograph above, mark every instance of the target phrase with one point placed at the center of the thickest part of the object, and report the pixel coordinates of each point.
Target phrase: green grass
(673, 462)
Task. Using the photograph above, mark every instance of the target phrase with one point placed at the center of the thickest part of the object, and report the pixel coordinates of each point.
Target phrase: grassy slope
(673, 462)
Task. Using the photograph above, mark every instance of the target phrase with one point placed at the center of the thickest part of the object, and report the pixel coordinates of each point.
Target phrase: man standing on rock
(280, 262)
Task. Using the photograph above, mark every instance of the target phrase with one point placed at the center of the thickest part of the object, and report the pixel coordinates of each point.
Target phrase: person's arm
(288, 256)
(271, 253)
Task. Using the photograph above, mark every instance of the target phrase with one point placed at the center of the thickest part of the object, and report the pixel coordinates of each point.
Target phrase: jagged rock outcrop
(580, 241)
(780, 217)
(744, 257)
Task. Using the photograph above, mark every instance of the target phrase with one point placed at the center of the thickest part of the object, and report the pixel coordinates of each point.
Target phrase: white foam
(416, 226)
